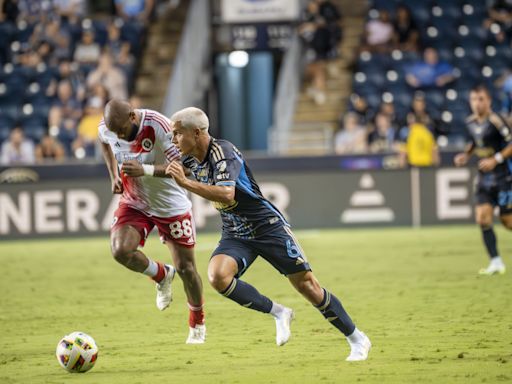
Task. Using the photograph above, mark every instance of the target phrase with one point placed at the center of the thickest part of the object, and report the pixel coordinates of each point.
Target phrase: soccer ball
(77, 352)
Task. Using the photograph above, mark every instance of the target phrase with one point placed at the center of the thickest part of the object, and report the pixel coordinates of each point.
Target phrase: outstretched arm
(220, 193)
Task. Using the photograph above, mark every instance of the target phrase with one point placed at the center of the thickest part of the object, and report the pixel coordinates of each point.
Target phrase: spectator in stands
(388, 108)
(118, 48)
(352, 137)
(88, 126)
(87, 52)
(9, 11)
(429, 72)
(406, 34)
(315, 32)
(111, 77)
(33, 11)
(332, 16)
(379, 33)
(419, 113)
(68, 70)
(49, 149)
(70, 11)
(17, 149)
(504, 85)
(383, 136)
(131, 10)
(53, 41)
(64, 114)
(500, 12)
(359, 106)
(420, 148)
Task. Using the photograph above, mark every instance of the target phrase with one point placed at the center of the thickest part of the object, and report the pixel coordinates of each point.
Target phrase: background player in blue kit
(251, 227)
(491, 142)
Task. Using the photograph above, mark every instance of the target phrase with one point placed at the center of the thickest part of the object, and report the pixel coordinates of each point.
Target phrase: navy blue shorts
(279, 247)
(497, 195)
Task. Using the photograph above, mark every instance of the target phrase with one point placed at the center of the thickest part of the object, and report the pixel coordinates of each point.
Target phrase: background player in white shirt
(132, 140)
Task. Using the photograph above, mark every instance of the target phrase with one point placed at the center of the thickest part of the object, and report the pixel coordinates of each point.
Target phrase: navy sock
(247, 296)
(490, 241)
(333, 311)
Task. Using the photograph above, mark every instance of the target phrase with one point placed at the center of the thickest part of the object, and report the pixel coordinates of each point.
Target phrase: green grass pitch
(416, 294)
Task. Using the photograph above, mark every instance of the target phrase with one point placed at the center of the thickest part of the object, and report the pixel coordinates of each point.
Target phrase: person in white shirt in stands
(18, 149)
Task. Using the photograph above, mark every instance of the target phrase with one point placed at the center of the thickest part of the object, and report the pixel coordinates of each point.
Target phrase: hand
(175, 170)
(132, 168)
(117, 185)
(461, 159)
(487, 165)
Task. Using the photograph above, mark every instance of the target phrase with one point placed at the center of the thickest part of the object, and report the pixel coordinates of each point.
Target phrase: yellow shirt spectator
(421, 147)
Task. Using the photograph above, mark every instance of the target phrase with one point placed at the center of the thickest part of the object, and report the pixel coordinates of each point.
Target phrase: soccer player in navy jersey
(491, 142)
(251, 227)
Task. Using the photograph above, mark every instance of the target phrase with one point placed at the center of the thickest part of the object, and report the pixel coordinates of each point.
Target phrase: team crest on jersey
(147, 144)
(221, 166)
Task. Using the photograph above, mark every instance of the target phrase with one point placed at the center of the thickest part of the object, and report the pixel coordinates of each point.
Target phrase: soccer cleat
(493, 268)
(197, 335)
(164, 289)
(283, 322)
(359, 350)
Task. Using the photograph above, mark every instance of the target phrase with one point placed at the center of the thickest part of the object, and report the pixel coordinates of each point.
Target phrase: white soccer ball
(77, 352)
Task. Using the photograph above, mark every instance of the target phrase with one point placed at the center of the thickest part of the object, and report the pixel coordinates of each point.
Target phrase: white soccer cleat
(283, 323)
(496, 266)
(360, 349)
(164, 289)
(197, 335)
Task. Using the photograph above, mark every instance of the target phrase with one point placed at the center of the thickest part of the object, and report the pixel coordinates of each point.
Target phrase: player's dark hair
(481, 88)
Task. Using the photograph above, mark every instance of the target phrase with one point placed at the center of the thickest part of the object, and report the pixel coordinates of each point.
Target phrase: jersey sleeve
(227, 164)
(502, 127)
(101, 132)
(163, 133)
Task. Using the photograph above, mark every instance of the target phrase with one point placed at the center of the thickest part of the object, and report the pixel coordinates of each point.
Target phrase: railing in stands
(190, 77)
(288, 85)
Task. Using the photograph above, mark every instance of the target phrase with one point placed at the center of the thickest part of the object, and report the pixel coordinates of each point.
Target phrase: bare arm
(111, 162)
(219, 193)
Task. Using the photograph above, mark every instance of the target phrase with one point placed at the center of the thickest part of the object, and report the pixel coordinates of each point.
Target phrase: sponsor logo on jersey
(223, 176)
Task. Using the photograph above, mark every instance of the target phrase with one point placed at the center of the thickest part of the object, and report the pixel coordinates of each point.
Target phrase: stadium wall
(77, 201)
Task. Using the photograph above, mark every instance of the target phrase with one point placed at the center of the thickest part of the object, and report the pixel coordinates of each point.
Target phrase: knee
(507, 223)
(309, 286)
(484, 221)
(218, 279)
(121, 253)
(186, 270)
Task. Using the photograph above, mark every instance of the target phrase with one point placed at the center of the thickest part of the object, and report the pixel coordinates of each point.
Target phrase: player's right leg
(127, 233)
(484, 218)
(223, 274)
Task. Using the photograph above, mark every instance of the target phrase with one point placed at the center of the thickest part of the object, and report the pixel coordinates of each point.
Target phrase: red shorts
(178, 229)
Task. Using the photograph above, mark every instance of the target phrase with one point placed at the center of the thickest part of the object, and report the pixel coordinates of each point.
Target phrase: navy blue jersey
(250, 215)
(489, 137)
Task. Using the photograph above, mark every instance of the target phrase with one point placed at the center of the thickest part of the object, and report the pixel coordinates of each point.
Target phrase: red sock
(196, 315)
(162, 271)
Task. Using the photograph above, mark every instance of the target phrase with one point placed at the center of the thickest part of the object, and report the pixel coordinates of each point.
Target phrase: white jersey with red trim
(155, 196)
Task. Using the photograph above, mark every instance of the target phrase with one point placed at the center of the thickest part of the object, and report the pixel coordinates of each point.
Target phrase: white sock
(355, 336)
(152, 269)
(497, 260)
(276, 310)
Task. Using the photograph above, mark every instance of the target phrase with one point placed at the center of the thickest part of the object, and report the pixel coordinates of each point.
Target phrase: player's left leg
(331, 308)
(178, 233)
(284, 252)
(185, 264)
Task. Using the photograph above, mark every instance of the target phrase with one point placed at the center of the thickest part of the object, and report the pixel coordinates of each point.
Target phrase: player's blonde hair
(190, 118)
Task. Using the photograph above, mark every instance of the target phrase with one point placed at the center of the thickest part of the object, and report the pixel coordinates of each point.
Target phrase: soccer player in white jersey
(131, 141)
